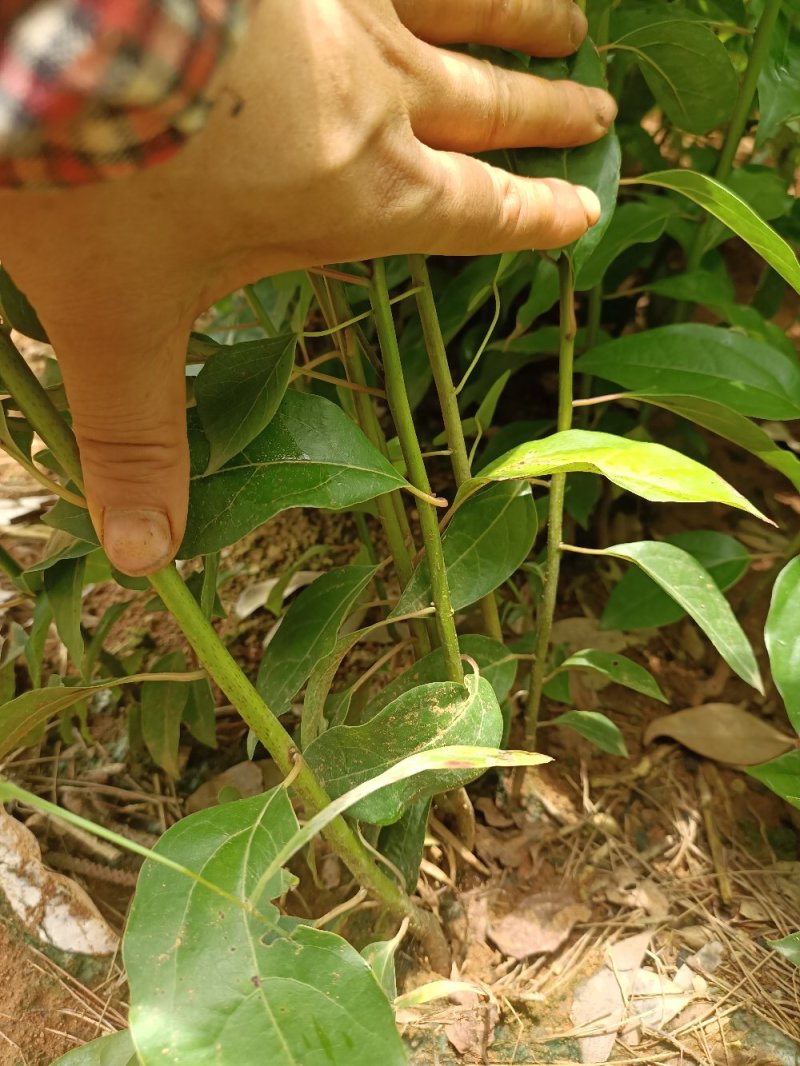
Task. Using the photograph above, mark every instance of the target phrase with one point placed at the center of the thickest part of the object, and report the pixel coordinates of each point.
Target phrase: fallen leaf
(538, 926)
(473, 1033)
(52, 907)
(507, 849)
(708, 958)
(580, 632)
(245, 777)
(496, 818)
(656, 999)
(600, 1002)
(723, 731)
(629, 891)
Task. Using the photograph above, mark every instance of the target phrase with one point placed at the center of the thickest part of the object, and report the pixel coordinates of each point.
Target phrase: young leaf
(617, 668)
(781, 775)
(638, 602)
(688, 70)
(63, 584)
(488, 539)
(709, 362)
(162, 704)
(722, 731)
(308, 633)
(685, 580)
(431, 716)
(113, 1050)
(650, 470)
(782, 637)
(734, 213)
(238, 392)
(730, 425)
(380, 956)
(789, 947)
(306, 998)
(597, 728)
(497, 665)
(310, 455)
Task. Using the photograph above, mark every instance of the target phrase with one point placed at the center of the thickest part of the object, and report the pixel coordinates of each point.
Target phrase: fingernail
(591, 204)
(605, 107)
(578, 27)
(137, 541)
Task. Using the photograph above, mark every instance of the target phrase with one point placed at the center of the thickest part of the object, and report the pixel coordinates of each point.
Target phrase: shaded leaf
(724, 732)
(63, 584)
(308, 998)
(617, 668)
(162, 706)
(597, 728)
(114, 1050)
(782, 775)
(709, 362)
(18, 311)
(782, 637)
(734, 213)
(380, 956)
(238, 392)
(685, 580)
(310, 455)
(487, 541)
(779, 82)
(639, 602)
(497, 665)
(308, 633)
(649, 470)
(633, 223)
(199, 713)
(403, 842)
(688, 71)
(430, 716)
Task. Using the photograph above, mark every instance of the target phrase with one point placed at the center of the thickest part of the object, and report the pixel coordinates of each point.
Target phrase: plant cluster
(699, 165)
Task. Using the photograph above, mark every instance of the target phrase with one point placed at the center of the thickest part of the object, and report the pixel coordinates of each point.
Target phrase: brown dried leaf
(723, 731)
(538, 926)
(496, 818)
(245, 777)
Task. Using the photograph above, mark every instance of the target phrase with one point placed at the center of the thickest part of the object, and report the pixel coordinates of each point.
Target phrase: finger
(537, 27)
(477, 209)
(468, 105)
(128, 404)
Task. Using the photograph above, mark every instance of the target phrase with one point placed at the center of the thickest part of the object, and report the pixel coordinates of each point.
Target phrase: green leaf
(34, 649)
(782, 637)
(617, 668)
(497, 665)
(163, 703)
(381, 956)
(708, 362)
(637, 602)
(18, 311)
(488, 539)
(688, 71)
(73, 520)
(779, 83)
(597, 728)
(199, 713)
(295, 1001)
(734, 213)
(238, 392)
(403, 843)
(789, 947)
(63, 584)
(730, 425)
(114, 1050)
(310, 455)
(649, 470)
(698, 287)
(431, 716)
(781, 775)
(596, 165)
(308, 633)
(685, 580)
(633, 223)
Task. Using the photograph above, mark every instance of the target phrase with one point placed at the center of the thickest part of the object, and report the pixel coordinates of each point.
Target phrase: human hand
(338, 134)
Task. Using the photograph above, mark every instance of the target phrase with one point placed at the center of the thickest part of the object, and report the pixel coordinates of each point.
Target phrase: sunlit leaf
(596, 728)
(722, 731)
(617, 668)
(113, 1050)
(789, 947)
(782, 637)
(781, 775)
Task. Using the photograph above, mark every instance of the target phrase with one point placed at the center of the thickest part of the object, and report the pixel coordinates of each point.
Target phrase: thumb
(128, 404)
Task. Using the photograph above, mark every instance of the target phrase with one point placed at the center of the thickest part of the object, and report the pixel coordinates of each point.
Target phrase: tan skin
(341, 131)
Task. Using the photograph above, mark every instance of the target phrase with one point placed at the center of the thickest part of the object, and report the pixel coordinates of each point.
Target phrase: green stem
(448, 402)
(404, 423)
(214, 656)
(738, 124)
(259, 311)
(558, 483)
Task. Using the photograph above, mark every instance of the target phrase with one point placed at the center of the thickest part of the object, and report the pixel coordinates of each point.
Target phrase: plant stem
(558, 482)
(448, 402)
(417, 474)
(215, 658)
(738, 124)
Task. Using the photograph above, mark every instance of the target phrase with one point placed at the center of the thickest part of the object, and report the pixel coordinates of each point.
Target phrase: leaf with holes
(430, 716)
